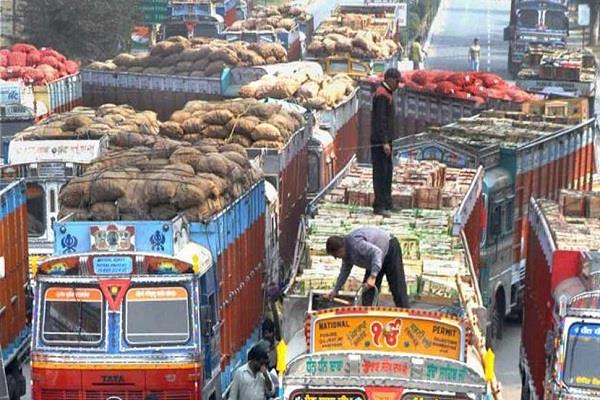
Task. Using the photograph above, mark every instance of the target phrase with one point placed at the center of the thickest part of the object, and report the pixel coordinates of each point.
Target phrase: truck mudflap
(333, 372)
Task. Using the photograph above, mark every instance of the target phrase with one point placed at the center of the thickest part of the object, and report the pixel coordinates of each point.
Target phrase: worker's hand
(264, 370)
(331, 295)
(387, 149)
(370, 283)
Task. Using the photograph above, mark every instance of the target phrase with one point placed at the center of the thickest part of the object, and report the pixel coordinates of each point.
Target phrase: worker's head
(476, 41)
(335, 246)
(257, 357)
(392, 78)
(268, 330)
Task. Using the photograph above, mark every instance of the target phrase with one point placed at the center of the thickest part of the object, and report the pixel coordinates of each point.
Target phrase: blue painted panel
(12, 196)
(150, 236)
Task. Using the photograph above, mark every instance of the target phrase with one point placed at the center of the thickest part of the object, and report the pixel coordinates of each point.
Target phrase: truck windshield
(581, 367)
(72, 316)
(157, 315)
(556, 20)
(528, 19)
(36, 210)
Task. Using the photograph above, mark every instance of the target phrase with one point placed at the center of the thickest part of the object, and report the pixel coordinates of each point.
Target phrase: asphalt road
(460, 21)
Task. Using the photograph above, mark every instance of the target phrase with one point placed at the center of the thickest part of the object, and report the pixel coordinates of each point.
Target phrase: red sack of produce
(3, 60)
(441, 76)
(5, 52)
(517, 95)
(72, 67)
(13, 72)
(48, 52)
(498, 94)
(34, 58)
(50, 60)
(445, 88)
(414, 86)
(17, 59)
(406, 76)
(28, 74)
(430, 87)
(491, 80)
(23, 48)
(462, 95)
(422, 77)
(475, 90)
(50, 74)
(460, 79)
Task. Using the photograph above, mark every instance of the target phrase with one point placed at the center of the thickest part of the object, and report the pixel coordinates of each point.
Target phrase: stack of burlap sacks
(247, 122)
(283, 11)
(155, 178)
(276, 23)
(313, 91)
(122, 124)
(332, 40)
(198, 57)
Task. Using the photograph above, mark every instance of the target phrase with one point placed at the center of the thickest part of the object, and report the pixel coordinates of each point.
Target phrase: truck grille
(103, 395)
(49, 394)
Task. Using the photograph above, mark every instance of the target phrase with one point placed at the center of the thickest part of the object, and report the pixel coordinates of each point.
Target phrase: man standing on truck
(252, 381)
(381, 142)
(376, 251)
(474, 55)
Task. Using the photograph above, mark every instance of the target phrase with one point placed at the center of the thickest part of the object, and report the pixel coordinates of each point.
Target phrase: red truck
(14, 267)
(561, 320)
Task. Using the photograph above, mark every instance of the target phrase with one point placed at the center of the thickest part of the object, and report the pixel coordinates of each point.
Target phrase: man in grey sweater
(376, 251)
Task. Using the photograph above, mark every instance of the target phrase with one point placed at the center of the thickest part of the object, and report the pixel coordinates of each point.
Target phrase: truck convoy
(14, 266)
(542, 23)
(561, 299)
(523, 156)
(423, 352)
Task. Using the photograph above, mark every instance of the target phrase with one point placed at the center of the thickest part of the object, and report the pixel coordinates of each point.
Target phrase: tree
(84, 29)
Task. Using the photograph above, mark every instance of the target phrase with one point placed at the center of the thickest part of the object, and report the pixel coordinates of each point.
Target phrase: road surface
(460, 21)
(507, 361)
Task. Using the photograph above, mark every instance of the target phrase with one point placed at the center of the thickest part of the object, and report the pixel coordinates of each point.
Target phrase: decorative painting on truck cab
(112, 237)
(387, 332)
(434, 152)
(335, 394)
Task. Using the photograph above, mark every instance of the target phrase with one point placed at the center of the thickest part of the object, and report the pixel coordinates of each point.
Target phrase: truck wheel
(13, 387)
(525, 390)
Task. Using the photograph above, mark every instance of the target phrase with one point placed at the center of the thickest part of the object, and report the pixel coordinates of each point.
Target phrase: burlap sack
(266, 132)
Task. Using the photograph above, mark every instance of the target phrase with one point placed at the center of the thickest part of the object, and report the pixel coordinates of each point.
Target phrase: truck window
(72, 316)
(157, 315)
(581, 366)
(510, 210)
(36, 210)
(339, 66)
(556, 20)
(528, 19)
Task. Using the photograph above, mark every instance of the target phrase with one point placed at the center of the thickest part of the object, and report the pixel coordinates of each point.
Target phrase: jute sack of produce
(185, 155)
(76, 193)
(236, 148)
(267, 144)
(163, 212)
(160, 187)
(217, 117)
(267, 132)
(217, 185)
(124, 60)
(156, 164)
(129, 139)
(193, 125)
(171, 129)
(132, 202)
(214, 164)
(76, 121)
(205, 210)
(163, 148)
(216, 132)
(244, 141)
(109, 185)
(106, 211)
(236, 157)
(180, 116)
(191, 192)
(78, 214)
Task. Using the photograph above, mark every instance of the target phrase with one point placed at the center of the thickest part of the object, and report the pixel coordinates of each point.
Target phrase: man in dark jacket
(382, 121)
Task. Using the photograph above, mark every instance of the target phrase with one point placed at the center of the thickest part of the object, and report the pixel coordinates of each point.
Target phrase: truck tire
(525, 390)
(13, 387)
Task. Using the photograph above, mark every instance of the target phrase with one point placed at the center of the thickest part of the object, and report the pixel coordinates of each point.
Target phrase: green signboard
(154, 11)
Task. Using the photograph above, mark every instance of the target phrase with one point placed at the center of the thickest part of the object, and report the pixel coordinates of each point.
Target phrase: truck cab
(544, 23)
(126, 309)
(210, 26)
(574, 342)
(46, 166)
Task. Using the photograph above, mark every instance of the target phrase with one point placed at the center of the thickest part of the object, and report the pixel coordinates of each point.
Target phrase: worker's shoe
(383, 213)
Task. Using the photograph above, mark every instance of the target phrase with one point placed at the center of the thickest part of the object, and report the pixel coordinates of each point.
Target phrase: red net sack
(17, 59)
(23, 48)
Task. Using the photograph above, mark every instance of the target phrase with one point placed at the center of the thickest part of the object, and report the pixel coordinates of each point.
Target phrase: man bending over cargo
(376, 251)
(381, 142)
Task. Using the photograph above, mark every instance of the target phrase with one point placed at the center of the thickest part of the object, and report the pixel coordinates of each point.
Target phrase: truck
(535, 23)
(417, 111)
(195, 26)
(289, 39)
(150, 309)
(567, 73)
(14, 301)
(227, 10)
(561, 299)
(45, 167)
(341, 348)
(522, 158)
(23, 105)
